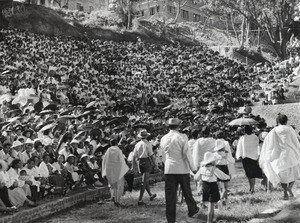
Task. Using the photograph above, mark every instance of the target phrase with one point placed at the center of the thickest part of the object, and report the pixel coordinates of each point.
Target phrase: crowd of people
(70, 108)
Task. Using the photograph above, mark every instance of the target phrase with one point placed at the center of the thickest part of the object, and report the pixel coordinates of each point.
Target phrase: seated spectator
(73, 170)
(16, 193)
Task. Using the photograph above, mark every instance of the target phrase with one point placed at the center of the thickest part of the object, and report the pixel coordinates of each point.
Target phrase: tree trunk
(233, 27)
(243, 33)
(129, 14)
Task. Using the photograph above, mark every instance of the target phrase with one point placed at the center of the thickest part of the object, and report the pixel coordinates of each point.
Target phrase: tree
(271, 17)
(61, 3)
(4, 4)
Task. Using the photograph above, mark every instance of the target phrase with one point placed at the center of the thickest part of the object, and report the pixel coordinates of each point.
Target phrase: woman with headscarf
(280, 156)
(114, 168)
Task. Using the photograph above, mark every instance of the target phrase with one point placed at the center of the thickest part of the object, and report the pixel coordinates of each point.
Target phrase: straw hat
(209, 158)
(29, 141)
(143, 134)
(16, 144)
(173, 122)
(219, 144)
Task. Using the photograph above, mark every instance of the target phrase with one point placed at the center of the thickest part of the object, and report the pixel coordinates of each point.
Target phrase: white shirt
(175, 147)
(210, 174)
(248, 146)
(201, 146)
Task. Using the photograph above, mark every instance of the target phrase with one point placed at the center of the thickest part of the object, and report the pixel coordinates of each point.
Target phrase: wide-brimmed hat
(219, 144)
(210, 158)
(262, 136)
(173, 122)
(144, 134)
(70, 156)
(16, 144)
(29, 141)
(3, 165)
(83, 156)
(74, 141)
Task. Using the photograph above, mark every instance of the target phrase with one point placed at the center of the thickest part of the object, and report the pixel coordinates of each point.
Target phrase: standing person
(177, 170)
(209, 174)
(204, 144)
(114, 168)
(280, 156)
(222, 148)
(248, 150)
(144, 160)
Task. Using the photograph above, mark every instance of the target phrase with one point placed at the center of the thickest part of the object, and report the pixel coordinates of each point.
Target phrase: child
(25, 177)
(209, 175)
(226, 165)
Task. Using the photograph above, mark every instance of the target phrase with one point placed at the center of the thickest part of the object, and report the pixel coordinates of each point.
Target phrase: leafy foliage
(273, 17)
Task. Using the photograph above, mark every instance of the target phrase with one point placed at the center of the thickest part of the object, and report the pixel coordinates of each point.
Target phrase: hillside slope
(39, 19)
(270, 112)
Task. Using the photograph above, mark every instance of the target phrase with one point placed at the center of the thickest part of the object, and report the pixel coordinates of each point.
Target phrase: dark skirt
(252, 168)
(145, 165)
(224, 169)
(210, 191)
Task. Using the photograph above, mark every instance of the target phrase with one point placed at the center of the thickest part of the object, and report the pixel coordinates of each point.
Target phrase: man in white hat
(177, 170)
(144, 157)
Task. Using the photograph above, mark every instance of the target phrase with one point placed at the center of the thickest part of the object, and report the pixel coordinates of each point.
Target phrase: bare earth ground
(241, 206)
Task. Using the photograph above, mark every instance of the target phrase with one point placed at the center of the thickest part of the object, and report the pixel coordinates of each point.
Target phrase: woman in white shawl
(114, 168)
(280, 156)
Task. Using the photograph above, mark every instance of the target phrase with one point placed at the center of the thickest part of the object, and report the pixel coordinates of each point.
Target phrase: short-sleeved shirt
(143, 149)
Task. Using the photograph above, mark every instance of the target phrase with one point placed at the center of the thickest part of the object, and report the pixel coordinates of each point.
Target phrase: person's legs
(252, 184)
(5, 197)
(211, 212)
(34, 193)
(285, 191)
(184, 181)
(147, 185)
(143, 186)
(224, 194)
(171, 186)
(289, 188)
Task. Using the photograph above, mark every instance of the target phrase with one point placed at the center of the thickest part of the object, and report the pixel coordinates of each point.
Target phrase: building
(80, 5)
(88, 5)
(189, 11)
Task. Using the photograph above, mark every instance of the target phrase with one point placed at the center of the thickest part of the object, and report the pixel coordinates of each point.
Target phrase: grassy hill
(39, 19)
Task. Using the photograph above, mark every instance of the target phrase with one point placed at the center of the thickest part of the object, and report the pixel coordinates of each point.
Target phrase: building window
(171, 9)
(152, 11)
(197, 18)
(185, 14)
(42, 2)
(91, 9)
(157, 8)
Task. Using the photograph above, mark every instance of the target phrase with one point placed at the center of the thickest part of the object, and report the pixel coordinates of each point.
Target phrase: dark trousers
(34, 193)
(5, 197)
(171, 185)
(129, 179)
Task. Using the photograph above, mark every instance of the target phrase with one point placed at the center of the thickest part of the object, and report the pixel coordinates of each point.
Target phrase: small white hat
(210, 158)
(16, 144)
(29, 141)
(219, 144)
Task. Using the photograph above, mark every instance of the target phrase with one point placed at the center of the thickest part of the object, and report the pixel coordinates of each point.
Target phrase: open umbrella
(46, 112)
(46, 127)
(52, 107)
(13, 119)
(243, 121)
